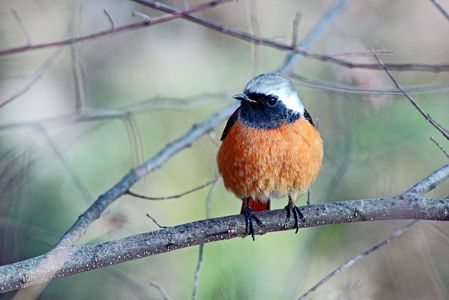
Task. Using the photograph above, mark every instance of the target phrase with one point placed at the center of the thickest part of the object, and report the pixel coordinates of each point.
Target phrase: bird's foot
(249, 217)
(297, 215)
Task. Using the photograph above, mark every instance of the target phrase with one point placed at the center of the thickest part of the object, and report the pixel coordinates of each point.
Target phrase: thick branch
(121, 187)
(63, 262)
(66, 261)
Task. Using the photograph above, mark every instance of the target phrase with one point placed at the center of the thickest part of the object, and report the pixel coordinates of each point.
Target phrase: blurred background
(170, 76)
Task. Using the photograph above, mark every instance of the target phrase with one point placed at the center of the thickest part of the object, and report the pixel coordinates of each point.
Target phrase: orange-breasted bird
(270, 148)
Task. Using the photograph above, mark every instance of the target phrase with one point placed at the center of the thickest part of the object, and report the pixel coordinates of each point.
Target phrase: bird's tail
(255, 204)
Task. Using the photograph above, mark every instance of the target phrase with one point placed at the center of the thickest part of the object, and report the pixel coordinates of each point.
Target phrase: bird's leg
(249, 217)
(297, 214)
(308, 197)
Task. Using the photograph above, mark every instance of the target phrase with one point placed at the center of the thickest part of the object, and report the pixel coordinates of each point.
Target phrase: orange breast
(265, 163)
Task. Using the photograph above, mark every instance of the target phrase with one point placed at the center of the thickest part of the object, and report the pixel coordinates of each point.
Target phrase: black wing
(308, 117)
(232, 119)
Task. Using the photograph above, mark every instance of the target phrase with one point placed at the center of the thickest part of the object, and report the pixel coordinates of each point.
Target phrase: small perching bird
(270, 148)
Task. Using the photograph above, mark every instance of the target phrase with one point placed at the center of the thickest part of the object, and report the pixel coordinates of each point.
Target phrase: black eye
(272, 100)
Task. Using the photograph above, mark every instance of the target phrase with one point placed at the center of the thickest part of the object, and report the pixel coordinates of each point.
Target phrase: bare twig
(419, 189)
(110, 19)
(34, 78)
(287, 47)
(254, 25)
(357, 258)
(84, 192)
(22, 27)
(363, 53)
(121, 187)
(441, 9)
(78, 78)
(107, 32)
(161, 289)
(427, 116)
(141, 15)
(439, 147)
(335, 10)
(176, 196)
(295, 31)
(199, 265)
(348, 89)
(66, 261)
(155, 221)
(196, 275)
(93, 115)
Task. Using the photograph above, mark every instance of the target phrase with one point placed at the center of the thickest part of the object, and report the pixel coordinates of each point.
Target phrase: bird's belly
(265, 163)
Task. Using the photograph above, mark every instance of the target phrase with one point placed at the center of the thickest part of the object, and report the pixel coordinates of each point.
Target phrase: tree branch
(66, 261)
(440, 8)
(359, 257)
(98, 114)
(427, 116)
(349, 89)
(121, 187)
(34, 78)
(288, 47)
(335, 10)
(115, 30)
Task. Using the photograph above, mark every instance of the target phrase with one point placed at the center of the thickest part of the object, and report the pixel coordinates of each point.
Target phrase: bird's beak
(241, 97)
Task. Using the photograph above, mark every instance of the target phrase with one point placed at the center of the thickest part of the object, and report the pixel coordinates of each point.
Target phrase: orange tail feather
(255, 205)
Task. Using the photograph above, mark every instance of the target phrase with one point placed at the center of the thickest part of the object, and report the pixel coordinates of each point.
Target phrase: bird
(270, 148)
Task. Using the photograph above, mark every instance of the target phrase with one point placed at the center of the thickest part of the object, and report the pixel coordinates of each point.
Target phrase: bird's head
(268, 101)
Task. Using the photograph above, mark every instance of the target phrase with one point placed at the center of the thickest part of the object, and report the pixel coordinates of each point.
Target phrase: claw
(249, 217)
(297, 215)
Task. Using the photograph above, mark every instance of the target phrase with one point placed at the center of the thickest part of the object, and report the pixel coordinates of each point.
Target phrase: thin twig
(287, 47)
(363, 53)
(155, 221)
(161, 289)
(110, 19)
(427, 116)
(254, 26)
(66, 261)
(34, 78)
(94, 115)
(439, 147)
(103, 33)
(441, 9)
(295, 31)
(348, 89)
(196, 275)
(76, 64)
(122, 186)
(176, 196)
(335, 10)
(22, 27)
(83, 190)
(357, 258)
(141, 15)
(199, 265)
